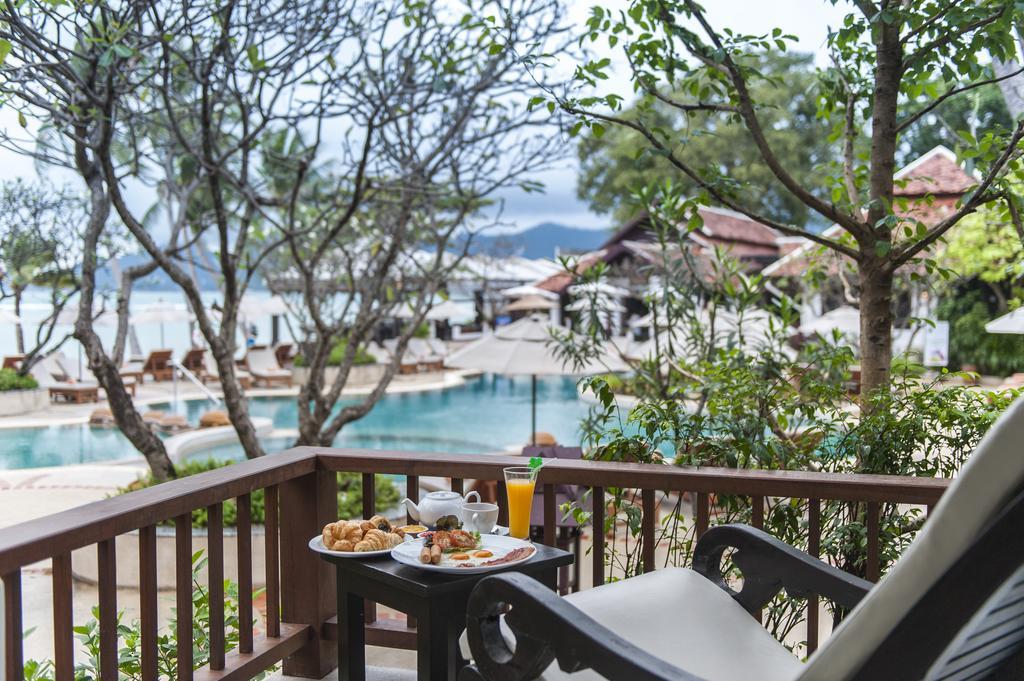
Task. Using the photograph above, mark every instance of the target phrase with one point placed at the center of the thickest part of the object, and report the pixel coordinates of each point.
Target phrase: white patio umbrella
(1012, 322)
(524, 348)
(606, 305)
(531, 303)
(845, 318)
(161, 313)
(528, 290)
(253, 307)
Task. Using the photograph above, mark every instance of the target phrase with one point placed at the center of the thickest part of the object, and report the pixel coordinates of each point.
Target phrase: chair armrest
(547, 628)
(769, 565)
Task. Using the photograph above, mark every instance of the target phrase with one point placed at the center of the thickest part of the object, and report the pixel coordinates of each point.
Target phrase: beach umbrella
(528, 290)
(253, 307)
(607, 305)
(529, 303)
(846, 319)
(1008, 323)
(525, 348)
(161, 313)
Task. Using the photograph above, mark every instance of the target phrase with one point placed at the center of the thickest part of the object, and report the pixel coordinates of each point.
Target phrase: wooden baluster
(183, 593)
(63, 618)
(549, 515)
(215, 571)
(369, 510)
(647, 528)
(757, 512)
(149, 616)
(928, 511)
(273, 574)
(458, 485)
(597, 523)
(308, 586)
(13, 654)
(244, 529)
(813, 548)
(412, 490)
(873, 537)
(107, 567)
(703, 514)
(502, 507)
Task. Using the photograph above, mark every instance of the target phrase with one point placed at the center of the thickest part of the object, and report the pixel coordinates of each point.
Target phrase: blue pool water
(486, 414)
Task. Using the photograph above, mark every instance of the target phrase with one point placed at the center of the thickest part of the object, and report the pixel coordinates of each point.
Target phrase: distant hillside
(540, 241)
(108, 276)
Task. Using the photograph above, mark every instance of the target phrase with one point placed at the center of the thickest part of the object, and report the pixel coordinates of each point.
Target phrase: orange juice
(520, 502)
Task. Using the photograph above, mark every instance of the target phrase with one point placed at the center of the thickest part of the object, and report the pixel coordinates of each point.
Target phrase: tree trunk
(19, 333)
(128, 420)
(876, 318)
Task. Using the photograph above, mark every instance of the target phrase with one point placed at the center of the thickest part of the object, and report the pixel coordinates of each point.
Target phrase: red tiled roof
(937, 172)
(719, 224)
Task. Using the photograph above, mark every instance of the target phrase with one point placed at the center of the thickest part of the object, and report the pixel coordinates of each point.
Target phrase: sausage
(435, 554)
(425, 555)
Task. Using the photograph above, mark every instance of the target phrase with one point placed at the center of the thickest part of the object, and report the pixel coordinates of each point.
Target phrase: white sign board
(936, 345)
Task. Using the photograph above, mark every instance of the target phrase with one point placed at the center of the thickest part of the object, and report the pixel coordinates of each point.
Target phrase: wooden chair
(951, 608)
(158, 365)
(193, 361)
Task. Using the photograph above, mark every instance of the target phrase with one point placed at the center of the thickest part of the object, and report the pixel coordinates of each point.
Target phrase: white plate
(409, 554)
(317, 544)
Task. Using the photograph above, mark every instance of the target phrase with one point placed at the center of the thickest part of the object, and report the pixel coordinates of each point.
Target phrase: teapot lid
(441, 494)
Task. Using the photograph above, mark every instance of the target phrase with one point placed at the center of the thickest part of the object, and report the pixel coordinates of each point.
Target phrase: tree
(614, 164)
(893, 64)
(40, 228)
(441, 130)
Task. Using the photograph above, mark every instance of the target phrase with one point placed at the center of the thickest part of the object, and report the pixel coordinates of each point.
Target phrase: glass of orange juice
(519, 484)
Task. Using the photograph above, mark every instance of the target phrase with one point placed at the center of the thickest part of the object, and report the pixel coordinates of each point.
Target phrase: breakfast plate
(504, 552)
(317, 544)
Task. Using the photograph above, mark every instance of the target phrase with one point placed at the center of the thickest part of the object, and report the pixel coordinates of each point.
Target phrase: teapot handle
(473, 493)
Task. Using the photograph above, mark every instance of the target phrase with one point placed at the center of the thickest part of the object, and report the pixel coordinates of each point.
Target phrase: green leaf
(495, 48)
(536, 463)
(22, 121)
(5, 49)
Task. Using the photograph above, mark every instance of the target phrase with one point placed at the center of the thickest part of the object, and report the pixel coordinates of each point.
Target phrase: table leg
(351, 636)
(437, 643)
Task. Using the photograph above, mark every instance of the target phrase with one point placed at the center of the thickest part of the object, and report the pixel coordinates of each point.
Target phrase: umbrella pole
(533, 410)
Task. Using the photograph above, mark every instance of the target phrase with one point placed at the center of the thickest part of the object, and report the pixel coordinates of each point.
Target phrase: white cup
(479, 517)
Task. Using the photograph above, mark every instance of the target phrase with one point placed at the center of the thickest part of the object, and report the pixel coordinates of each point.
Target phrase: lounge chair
(158, 365)
(193, 361)
(134, 369)
(409, 363)
(53, 373)
(951, 608)
(212, 373)
(13, 361)
(263, 366)
(283, 354)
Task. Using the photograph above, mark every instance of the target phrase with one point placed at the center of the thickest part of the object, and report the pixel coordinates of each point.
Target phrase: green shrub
(350, 494)
(11, 380)
(363, 357)
(997, 354)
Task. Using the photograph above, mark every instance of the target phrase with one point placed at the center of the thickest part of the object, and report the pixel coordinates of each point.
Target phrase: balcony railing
(301, 497)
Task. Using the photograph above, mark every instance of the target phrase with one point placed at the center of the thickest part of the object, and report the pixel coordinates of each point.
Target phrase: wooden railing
(301, 496)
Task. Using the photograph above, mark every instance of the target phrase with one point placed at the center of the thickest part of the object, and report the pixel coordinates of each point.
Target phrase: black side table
(438, 601)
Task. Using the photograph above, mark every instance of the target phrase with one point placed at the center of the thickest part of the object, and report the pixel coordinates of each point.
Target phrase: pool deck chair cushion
(158, 365)
(951, 608)
(262, 364)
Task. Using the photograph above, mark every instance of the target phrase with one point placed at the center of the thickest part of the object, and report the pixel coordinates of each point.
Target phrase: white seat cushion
(681, 617)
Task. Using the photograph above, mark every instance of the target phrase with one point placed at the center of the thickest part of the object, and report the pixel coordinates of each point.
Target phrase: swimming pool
(485, 414)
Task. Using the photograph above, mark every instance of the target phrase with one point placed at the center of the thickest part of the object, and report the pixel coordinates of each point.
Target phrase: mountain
(540, 241)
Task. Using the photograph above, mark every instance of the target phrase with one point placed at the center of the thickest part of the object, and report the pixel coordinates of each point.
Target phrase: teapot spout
(412, 509)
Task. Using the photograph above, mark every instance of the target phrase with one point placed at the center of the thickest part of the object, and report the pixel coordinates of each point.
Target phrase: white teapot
(436, 505)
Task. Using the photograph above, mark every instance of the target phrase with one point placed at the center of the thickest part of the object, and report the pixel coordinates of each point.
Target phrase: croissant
(377, 522)
(376, 540)
(342, 535)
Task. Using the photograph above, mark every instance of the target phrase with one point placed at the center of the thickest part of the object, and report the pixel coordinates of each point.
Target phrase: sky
(809, 20)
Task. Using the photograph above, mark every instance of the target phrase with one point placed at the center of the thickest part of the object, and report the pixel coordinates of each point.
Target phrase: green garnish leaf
(536, 462)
